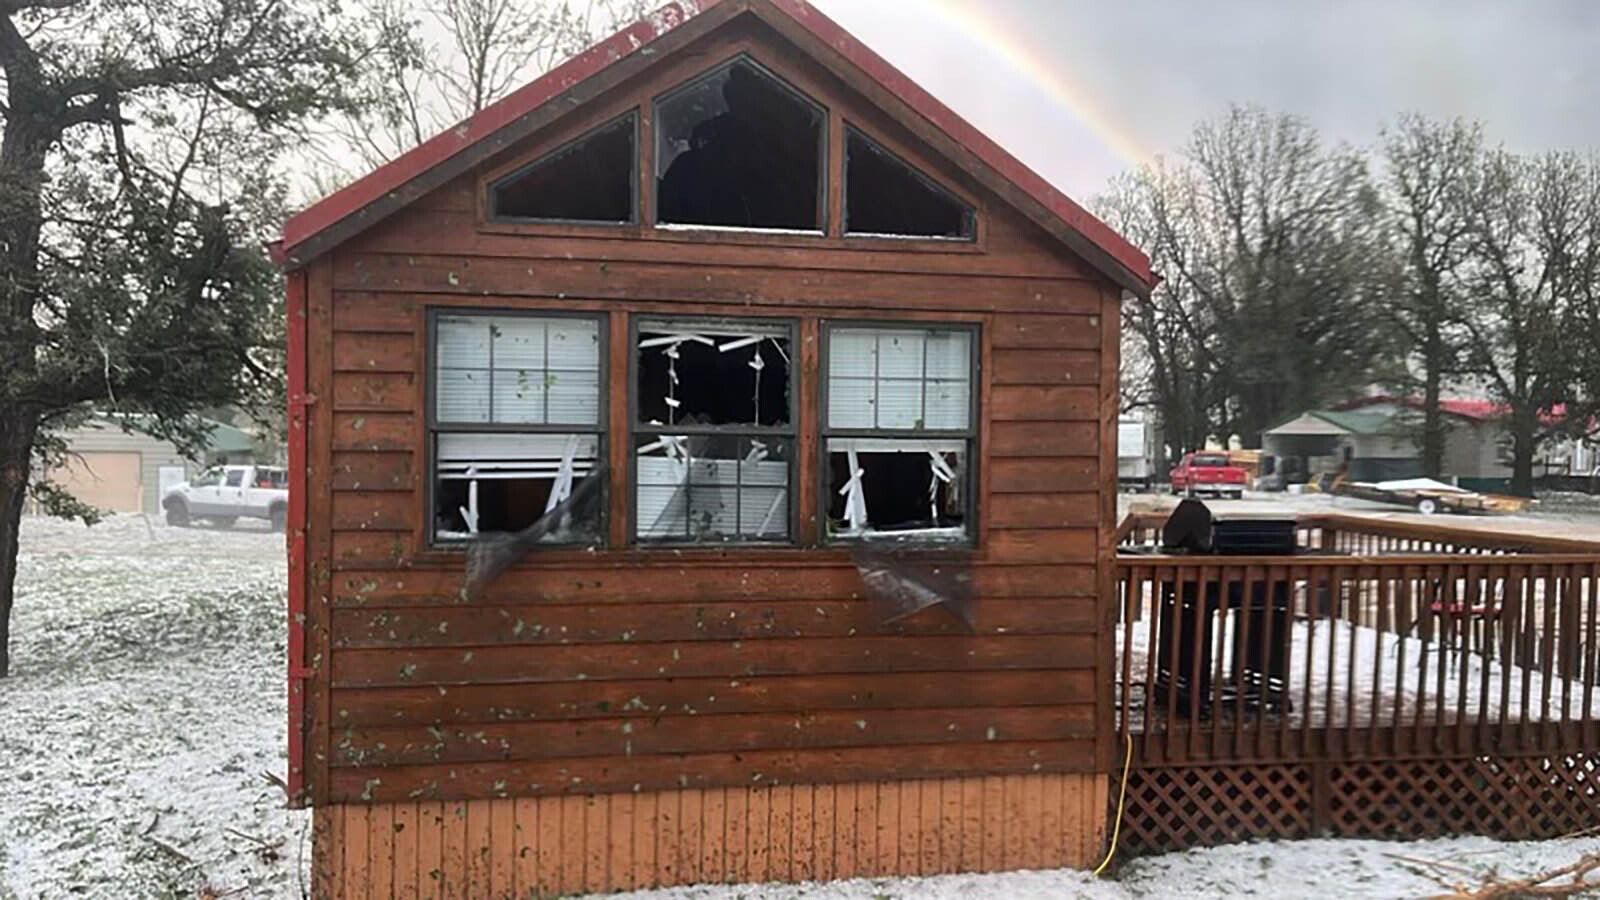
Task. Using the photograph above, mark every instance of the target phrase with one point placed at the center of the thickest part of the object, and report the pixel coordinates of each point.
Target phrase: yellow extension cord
(1122, 796)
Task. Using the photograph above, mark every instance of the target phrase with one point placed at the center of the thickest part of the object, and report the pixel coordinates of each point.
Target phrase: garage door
(104, 480)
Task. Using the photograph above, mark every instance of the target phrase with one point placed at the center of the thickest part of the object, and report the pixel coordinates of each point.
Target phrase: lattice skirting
(1521, 798)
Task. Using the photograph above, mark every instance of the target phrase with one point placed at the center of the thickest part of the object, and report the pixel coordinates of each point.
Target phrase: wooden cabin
(787, 311)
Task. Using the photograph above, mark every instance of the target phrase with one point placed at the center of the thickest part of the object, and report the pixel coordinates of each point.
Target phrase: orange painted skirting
(563, 845)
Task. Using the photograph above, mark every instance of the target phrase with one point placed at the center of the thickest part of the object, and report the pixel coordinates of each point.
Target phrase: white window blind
(517, 370)
(900, 379)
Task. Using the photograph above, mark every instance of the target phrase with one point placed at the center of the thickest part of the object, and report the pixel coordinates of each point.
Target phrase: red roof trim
(391, 177)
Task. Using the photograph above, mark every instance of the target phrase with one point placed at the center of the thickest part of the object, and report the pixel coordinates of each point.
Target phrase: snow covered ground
(1324, 870)
(148, 704)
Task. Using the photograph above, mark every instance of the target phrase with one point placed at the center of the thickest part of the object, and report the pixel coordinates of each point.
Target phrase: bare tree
(1427, 167)
(447, 60)
(1268, 241)
(1532, 225)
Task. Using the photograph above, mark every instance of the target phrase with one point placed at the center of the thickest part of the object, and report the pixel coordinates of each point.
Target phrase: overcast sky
(1080, 90)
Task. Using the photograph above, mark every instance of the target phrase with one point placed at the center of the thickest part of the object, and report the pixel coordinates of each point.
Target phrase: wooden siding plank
(886, 822)
(1008, 254)
(485, 626)
(503, 849)
(548, 846)
(407, 830)
(490, 742)
(621, 583)
(430, 849)
(1045, 367)
(665, 282)
(1043, 439)
(700, 769)
(1043, 545)
(779, 656)
(453, 854)
(995, 823)
(1036, 332)
(396, 707)
(596, 843)
(758, 833)
(643, 872)
(372, 511)
(525, 861)
(1067, 475)
(371, 471)
(380, 850)
(374, 432)
(1043, 510)
(374, 352)
(1044, 403)
(478, 845)
(736, 837)
(375, 391)
(824, 853)
(713, 838)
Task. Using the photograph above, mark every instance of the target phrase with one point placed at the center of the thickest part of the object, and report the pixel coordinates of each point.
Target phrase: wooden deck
(1303, 692)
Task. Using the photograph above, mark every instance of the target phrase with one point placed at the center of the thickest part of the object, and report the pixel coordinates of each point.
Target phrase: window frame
(824, 160)
(486, 193)
(432, 427)
(793, 433)
(971, 434)
(973, 216)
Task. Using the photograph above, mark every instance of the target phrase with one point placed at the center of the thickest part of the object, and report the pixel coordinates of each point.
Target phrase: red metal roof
(390, 180)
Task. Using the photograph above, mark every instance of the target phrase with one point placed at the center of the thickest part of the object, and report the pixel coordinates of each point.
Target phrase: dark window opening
(589, 180)
(884, 195)
(738, 148)
(496, 483)
(909, 489)
(1210, 462)
(723, 374)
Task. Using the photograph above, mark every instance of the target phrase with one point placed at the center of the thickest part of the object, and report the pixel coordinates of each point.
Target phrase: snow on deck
(1404, 690)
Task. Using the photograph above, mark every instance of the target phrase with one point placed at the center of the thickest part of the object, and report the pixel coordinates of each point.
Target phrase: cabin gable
(749, 408)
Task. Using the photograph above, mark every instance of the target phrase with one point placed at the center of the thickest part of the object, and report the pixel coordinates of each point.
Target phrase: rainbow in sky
(977, 20)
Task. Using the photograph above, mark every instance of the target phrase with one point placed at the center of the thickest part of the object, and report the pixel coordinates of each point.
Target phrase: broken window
(738, 148)
(516, 423)
(886, 197)
(899, 432)
(715, 433)
(589, 180)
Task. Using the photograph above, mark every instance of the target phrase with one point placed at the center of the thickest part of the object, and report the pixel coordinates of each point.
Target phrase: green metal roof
(226, 438)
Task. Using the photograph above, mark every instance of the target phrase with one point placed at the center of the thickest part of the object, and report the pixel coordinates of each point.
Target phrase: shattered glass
(885, 196)
(739, 148)
(590, 180)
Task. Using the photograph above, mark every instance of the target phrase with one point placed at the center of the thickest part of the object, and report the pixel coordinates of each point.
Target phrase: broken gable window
(886, 197)
(898, 432)
(590, 180)
(715, 431)
(515, 423)
(739, 148)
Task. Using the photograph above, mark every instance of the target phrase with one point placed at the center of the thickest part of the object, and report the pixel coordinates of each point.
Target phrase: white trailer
(1138, 448)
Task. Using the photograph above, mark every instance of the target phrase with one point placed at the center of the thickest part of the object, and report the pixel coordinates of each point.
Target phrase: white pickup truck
(224, 494)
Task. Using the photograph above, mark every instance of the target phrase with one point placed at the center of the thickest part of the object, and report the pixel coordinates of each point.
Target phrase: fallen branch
(1544, 884)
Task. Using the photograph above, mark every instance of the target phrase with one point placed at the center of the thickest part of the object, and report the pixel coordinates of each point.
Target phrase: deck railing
(1345, 652)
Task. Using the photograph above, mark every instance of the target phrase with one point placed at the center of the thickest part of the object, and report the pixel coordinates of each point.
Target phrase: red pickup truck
(1209, 473)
